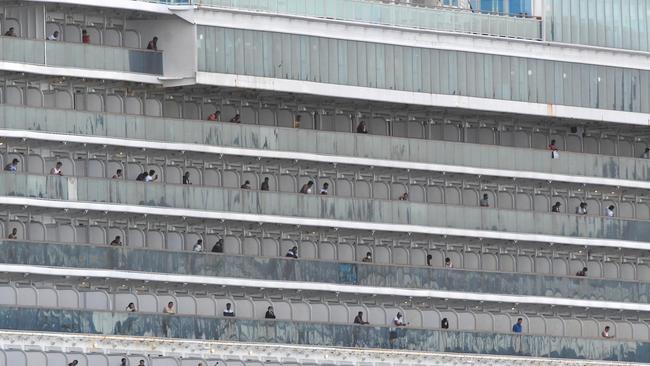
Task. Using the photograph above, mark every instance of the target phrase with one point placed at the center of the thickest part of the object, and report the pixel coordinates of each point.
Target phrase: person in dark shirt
(359, 319)
(362, 127)
(11, 33)
(429, 258)
(12, 167)
(518, 327)
(556, 207)
(265, 184)
(14, 234)
(117, 242)
(582, 273)
(218, 246)
(246, 185)
(73, 363)
(236, 118)
(153, 44)
(292, 253)
(306, 188)
(186, 178)
(269, 313)
(444, 324)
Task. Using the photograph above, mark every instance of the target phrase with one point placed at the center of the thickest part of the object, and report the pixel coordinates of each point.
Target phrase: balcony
(453, 156)
(446, 19)
(363, 214)
(313, 333)
(79, 55)
(345, 273)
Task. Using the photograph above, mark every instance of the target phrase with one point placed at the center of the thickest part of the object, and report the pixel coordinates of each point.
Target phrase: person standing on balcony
(292, 253)
(236, 118)
(646, 153)
(131, 308)
(404, 197)
(296, 121)
(228, 311)
(362, 127)
(117, 242)
(325, 189)
(218, 246)
(306, 189)
(246, 185)
(186, 178)
(198, 247)
(484, 202)
(444, 324)
(582, 273)
(265, 184)
(11, 33)
(556, 207)
(118, 174)
(54, 36)
(581, 209)
(169, 309)
(13, 235)
(269, 313)
(448, 263)
(151, 177)
(605, 333)
(12, 167)
(85, 37)
(518, 327)
(554, 150)
(359, 319)
(367, 258)
(215, 116)
(609, 212)
(153, 44)
(58, 169)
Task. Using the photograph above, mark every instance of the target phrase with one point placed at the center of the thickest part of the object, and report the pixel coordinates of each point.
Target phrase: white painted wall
(177, 40)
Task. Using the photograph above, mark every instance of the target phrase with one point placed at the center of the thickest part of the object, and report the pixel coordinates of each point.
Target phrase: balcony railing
(322, 142)
(310, 207)
(321, 334)
(303, 270)
(80, 55)
(373, 12)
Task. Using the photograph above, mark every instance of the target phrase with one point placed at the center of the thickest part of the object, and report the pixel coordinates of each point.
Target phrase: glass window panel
(294, 57)
(352, 63)
(371, 64)
(305, 62)
(399, 67)
(249, 52)
(229, 43)
(362, 64)
(239, 52)
(389, 64)
(426, 70)
(343, 61)
(380, 57)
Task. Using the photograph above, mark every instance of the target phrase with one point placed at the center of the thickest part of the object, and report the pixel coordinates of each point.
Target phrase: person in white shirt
(646, 153)
(605, 333)
(609, 212)
(57, 170)
(54, 36)
(198, 247)
(581, 209)
(169, 309)
(151, 177)
(399, 320)
(131, 308)
(448, 263)
(325, 189)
